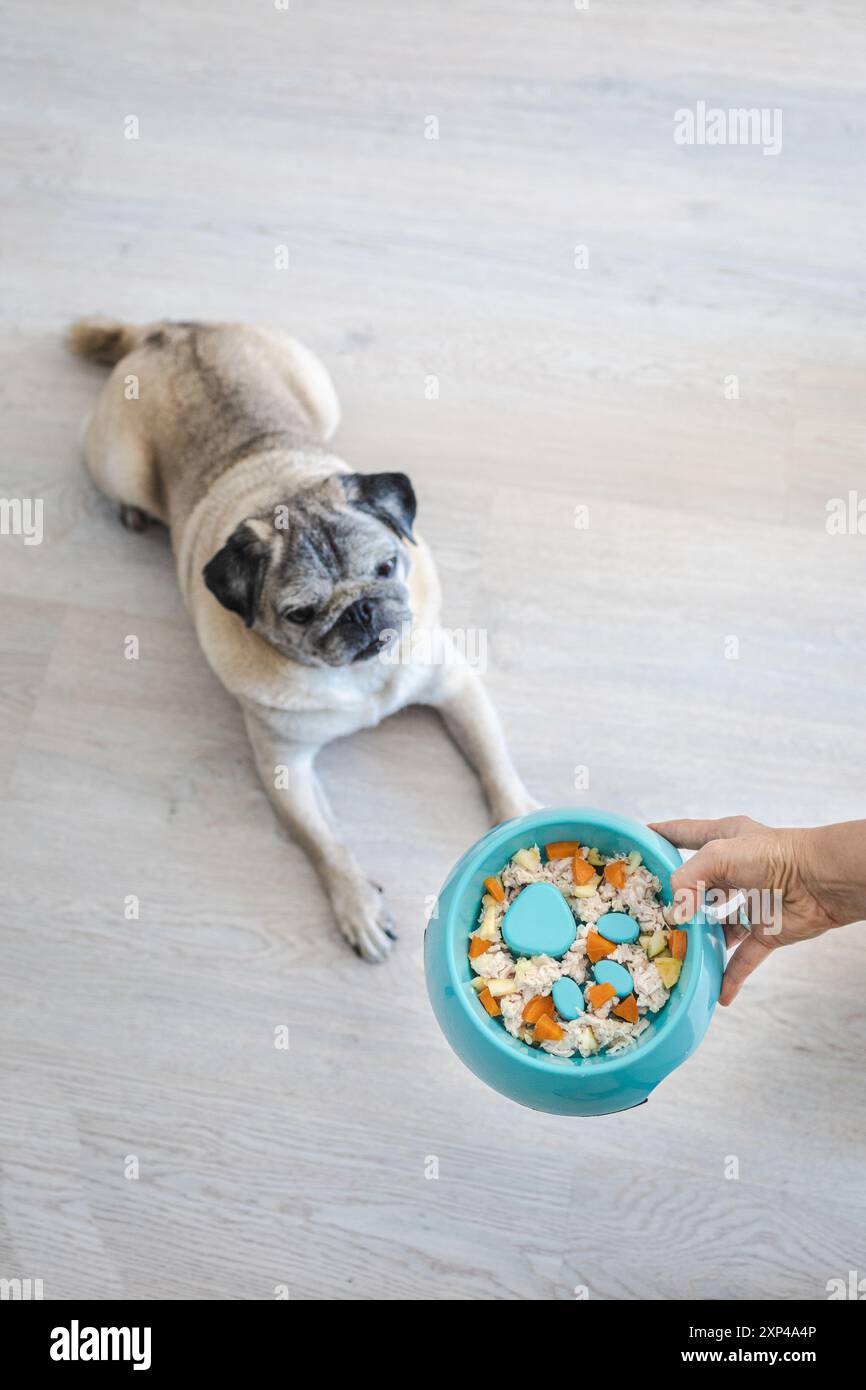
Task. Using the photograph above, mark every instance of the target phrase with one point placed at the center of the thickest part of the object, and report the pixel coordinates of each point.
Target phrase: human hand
(799, 883)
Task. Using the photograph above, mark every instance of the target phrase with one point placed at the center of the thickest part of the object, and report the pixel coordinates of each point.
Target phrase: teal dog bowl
(576, 1085)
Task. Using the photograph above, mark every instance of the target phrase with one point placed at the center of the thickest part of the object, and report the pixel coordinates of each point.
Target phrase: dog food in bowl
(573, 950)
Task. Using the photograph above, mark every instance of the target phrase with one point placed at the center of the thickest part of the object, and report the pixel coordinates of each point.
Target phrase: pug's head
(323, 577)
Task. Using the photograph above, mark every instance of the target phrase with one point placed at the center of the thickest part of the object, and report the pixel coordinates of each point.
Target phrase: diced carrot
(537, 1007)
(581, 872)
(490, 1004)
(678, 943)
(599, 994)
(615, 873)
(626, 1008)
(597, 947)
(562, 849)
(495, 889)
(477, 946)
(548, 1031)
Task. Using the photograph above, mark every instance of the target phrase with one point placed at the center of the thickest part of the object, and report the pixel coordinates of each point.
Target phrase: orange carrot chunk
(495, 889)
(581, 872)
(477, 946)
(599, 994)
(490, 1004)
(597, 948)
(548, 1031)
(626, 1008)
(615, 873)
(562, 849)
(537, 1007)
(678, 943)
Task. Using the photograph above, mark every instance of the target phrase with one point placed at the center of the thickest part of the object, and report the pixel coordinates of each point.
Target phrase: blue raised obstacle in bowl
(610, 972)
(539, 922)
(576, 1085)
(618, 927)
(567, 997)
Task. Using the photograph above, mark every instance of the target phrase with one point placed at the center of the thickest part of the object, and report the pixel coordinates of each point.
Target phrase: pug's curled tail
(102, 340)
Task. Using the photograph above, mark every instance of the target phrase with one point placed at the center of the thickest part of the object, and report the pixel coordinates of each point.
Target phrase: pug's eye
(387, 567)
(301, 616)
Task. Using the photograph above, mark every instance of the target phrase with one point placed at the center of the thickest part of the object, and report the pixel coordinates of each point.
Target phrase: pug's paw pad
(366, 922)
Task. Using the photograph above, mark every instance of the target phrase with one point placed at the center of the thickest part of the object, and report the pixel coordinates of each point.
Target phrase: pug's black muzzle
(361, 622)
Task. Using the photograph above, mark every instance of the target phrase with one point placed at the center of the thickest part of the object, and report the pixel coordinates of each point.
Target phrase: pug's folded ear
(388, 496)
(236, 573)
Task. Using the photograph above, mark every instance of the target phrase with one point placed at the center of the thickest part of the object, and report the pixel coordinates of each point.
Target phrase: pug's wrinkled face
(323, 577)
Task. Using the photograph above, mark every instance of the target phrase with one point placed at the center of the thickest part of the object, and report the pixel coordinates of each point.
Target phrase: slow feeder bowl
(597, 1085)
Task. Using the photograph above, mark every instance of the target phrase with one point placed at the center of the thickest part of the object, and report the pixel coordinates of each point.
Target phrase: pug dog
(314, 598)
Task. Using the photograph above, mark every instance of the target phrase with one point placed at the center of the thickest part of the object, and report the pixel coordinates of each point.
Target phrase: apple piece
(585, 890)
(657, 944)
(489, 930)
(644, 942)
(529, 859)
(669, 971)
(499, 987)
(589, 1040)
(522, 969)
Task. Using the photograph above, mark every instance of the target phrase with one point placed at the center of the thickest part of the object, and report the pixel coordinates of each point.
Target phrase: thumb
(748, 956)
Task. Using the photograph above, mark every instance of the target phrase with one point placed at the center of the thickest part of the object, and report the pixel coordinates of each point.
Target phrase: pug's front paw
(365, 920)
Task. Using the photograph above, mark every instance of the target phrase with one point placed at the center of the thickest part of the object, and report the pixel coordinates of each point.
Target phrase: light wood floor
(412, 258)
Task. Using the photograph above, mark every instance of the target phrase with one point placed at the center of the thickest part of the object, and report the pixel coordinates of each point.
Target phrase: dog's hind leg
(117, 452)
(120, 463)
(307, 377)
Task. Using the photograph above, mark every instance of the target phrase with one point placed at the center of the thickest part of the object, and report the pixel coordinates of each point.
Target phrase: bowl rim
(492, 1030)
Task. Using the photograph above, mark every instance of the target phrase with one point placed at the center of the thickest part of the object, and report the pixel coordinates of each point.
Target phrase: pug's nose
(359, 614)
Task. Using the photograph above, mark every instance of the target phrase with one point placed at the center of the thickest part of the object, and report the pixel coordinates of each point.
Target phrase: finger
(709, 868)
(688, 834)
(694, 834)
(748, 956)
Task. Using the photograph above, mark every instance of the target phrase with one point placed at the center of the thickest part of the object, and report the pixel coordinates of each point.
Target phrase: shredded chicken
(597, 1029)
